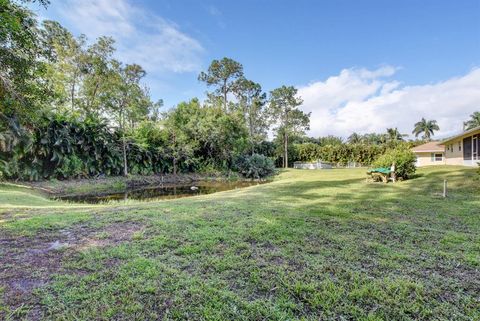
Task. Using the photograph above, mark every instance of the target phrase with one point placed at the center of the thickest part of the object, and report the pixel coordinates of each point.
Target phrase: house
(462, 149)
(431, 153)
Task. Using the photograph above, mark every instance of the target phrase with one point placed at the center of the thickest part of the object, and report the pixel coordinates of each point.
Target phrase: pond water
(159, 192)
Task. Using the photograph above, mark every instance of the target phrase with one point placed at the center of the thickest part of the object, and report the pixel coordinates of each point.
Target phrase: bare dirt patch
(28, 263)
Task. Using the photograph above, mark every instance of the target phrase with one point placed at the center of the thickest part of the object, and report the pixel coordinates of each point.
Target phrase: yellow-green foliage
(341, 153)
(403, 158)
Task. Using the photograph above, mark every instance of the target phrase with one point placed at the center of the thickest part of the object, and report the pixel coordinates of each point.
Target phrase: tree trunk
(125, 165)
(285, 156)
(251, 133)
(124, 146)
(225, 95)
(72, 94)
(92, 99)
(174, 140)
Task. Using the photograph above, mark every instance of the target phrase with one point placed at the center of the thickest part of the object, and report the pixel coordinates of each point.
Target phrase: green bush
(70, 166)
(3, 170)
(403, 158)
(342, 153)
(62, 146)
(255, 166)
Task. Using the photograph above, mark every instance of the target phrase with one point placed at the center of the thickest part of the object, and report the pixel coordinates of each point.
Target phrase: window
(438, 157)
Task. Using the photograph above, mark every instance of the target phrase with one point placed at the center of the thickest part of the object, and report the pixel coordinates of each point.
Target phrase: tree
(393, 135)
(22, 88)
(330, 140)
(155, 110)
(179, 146)
(67, 66)
(427, 127)
(52, 34)
(355, 138)
(124, 95)
(473, 122)
(73, 60)
(203, 136)
(289, 119)
(97, 65)
(223, 74)
(251, 101)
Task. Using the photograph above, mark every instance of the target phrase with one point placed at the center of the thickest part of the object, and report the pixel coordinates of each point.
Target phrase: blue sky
(349, 59)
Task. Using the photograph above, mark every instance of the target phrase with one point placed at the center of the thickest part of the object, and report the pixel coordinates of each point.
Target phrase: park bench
(380, 174)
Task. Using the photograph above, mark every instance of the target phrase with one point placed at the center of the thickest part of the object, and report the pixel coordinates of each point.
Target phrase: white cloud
(141, 37)
(361, 100)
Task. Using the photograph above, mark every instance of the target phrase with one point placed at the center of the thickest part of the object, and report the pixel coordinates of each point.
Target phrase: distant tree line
(69, 108)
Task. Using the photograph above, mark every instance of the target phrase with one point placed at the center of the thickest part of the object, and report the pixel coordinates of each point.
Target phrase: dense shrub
(403, 158)
(63, 147)
(71, 167)
(3, 168)
(255, 166)
(339, 154)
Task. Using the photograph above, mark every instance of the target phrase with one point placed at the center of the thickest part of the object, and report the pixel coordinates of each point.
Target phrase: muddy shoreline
(103, 185)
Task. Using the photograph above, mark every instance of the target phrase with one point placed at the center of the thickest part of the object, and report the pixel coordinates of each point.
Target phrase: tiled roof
(429, 147)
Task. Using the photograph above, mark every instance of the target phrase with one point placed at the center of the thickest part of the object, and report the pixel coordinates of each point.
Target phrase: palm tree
(354, 138)
(394, 135)
(473, 122)
(427, 127)
(374, 138)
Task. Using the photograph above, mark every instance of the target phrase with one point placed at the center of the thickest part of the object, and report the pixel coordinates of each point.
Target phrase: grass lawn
(311, 245)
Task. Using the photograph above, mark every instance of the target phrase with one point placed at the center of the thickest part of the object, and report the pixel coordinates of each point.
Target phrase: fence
(325, 165)
(314, 165)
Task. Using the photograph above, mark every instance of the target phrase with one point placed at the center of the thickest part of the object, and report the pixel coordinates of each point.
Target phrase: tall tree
(72, 61)
(252, 102)
(97, 66)
(330, 140)
(178, 124)
(394, 135)
(223, 74)
(21, 85)
(155, 110)
(427, 127)
(473, 122)
(124, 95)
(374, 138)
(283, 105)
(67, 65)
(355, 138)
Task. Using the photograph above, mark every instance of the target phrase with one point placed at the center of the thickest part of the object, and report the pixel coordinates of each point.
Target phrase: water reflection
(159, 192)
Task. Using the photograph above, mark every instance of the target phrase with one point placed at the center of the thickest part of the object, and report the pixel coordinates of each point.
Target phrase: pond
(159, 192)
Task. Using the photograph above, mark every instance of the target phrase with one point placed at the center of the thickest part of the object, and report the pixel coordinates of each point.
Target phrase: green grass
(311, 245)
